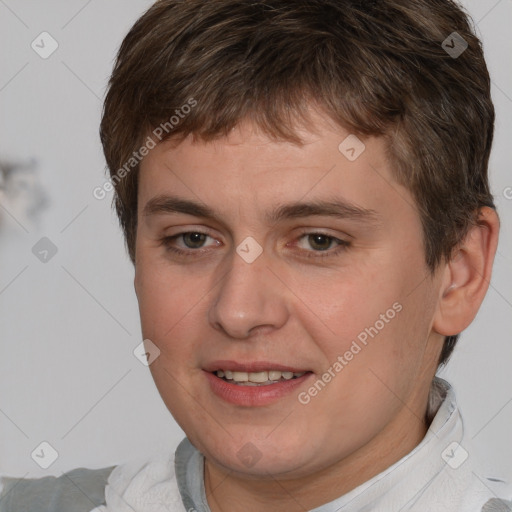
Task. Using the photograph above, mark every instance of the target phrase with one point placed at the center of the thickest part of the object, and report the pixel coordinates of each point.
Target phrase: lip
(253, 396)
(255, 366)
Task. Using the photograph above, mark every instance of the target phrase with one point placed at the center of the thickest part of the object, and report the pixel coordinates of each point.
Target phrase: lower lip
(253, 396)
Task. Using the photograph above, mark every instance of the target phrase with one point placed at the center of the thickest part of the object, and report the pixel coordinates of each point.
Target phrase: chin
(282, 455)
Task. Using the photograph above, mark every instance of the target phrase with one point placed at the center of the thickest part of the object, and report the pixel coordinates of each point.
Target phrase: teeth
(274, 375)
(266, 377)
(258, 377)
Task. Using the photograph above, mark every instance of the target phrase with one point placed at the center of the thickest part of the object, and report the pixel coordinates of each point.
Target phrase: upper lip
(251, 367)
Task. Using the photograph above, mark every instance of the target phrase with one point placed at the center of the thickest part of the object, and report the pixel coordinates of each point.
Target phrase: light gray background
(68, 327)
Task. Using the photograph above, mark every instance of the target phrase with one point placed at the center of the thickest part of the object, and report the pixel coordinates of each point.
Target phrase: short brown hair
(377, 68)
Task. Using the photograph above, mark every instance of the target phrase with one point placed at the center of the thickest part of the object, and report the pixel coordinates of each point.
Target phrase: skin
(296, 310)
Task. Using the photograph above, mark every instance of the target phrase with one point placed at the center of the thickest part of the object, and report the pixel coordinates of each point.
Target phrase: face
(300, 275)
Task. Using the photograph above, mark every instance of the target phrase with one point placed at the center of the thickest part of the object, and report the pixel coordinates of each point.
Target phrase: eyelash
(342, 245)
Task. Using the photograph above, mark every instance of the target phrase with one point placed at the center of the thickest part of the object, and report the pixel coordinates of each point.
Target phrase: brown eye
(194, 240)
(320, 242)
(315, 244)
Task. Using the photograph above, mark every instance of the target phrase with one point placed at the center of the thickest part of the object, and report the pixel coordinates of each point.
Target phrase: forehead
(249, 171)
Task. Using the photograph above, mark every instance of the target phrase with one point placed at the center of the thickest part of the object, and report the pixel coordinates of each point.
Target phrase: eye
(317, 242)
(187, 243)
(193, 240)
(310, 244)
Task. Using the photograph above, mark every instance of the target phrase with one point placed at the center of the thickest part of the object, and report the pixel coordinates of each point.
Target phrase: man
(307, 248)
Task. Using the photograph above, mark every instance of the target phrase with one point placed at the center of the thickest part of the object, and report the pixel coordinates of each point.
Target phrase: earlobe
(467, 276)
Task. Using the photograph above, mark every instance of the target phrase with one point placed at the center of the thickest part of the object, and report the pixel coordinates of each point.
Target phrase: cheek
(348, 304)
(378, 316)
(168, 304)
(165, 292)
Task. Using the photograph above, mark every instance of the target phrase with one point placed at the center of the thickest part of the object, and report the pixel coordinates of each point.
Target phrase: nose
(249, 299)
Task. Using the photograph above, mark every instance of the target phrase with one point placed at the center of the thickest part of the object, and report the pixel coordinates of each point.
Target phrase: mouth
(254, 384)
(261, 378)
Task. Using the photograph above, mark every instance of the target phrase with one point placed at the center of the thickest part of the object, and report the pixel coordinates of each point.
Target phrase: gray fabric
(189, 468)
(79, 490)
(497, 505)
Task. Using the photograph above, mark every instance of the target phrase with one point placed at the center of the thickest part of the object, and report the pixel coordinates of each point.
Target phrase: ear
(467, 276)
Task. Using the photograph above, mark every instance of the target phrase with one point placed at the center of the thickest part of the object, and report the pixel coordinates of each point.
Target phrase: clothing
(438, 475)
(78, 490)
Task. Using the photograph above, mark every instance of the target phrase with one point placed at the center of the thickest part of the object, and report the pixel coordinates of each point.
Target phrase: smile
(259, 387)
(263, 378)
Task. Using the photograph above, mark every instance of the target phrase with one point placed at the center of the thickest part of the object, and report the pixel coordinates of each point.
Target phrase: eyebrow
(165, 204)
